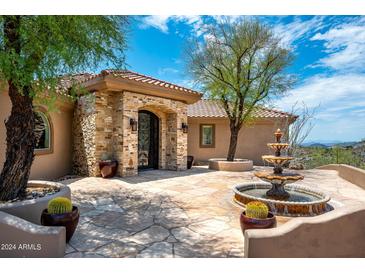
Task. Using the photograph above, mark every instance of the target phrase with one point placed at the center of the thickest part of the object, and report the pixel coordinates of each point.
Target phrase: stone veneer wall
(173, 142)
(101, 127)
(84, 130)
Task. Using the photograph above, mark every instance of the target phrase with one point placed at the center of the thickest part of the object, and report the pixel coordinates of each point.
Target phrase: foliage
(242, 64)
(34, 52)
(257, 210)
(59, 205)
(49, 46)
(315, 157)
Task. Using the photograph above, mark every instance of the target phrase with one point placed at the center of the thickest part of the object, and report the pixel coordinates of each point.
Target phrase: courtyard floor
(164, 213)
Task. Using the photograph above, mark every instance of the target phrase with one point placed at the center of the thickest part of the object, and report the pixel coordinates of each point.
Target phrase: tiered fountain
(282, 199)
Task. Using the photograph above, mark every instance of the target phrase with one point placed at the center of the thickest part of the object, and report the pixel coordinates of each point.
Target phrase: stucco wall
(352, 174)
(251, 145)
(339, 233)
(45, 166)
(31, 240)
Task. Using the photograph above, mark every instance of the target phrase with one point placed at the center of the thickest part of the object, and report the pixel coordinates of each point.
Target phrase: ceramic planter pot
(252, 223)
(68, 220)
(108, 168)
(190, 161)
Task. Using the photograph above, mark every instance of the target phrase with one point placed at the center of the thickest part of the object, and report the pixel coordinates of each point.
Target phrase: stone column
(182, 143)
(118, 131)
(171, 141)
(84, 129)
(129, 154)
(104, 126)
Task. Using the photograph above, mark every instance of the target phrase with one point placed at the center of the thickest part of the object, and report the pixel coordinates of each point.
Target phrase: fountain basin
(302, 201)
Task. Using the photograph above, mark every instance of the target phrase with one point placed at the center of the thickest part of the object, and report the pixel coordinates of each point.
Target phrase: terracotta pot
(252, 223)
(190, 161)
(68, 220)
(108, 168)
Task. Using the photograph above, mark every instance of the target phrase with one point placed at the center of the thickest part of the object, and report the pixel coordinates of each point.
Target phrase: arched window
(42, 132)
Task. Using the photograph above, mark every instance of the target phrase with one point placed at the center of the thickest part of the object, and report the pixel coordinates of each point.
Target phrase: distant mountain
(315, 145)
(329, 143)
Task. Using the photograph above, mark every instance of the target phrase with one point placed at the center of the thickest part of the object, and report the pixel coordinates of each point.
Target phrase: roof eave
(114, 83)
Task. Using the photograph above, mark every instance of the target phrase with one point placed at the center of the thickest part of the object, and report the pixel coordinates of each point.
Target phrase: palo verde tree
(241, 64)
(34, 50)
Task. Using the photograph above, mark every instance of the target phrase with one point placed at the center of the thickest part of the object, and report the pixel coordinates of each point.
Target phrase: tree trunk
(20, 143)
(233, 142)
(20, 138)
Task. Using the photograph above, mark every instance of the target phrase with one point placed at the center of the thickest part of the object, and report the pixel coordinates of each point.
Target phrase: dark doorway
(148, 140)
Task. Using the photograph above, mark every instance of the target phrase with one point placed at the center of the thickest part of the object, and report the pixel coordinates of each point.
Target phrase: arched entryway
(148, 140)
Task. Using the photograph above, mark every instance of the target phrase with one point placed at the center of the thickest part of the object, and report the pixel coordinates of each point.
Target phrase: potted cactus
(108, 167)
(256, 216)
(61, 212)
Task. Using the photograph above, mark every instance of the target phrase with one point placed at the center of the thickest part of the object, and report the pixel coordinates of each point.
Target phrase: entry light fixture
(134, 124)
(184, 127)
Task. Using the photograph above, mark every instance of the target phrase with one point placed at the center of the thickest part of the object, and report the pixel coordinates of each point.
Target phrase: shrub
(257, 210)
(59, 205)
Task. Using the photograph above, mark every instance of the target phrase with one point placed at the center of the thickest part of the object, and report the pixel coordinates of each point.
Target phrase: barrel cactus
(257, 210)
(59, 205)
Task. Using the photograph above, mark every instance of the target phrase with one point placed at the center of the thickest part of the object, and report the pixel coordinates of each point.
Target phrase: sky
(329, 63)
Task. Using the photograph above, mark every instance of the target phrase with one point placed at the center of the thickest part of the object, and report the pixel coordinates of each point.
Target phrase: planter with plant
(108, 167)
(61, 212)
(257, 216)
(190, 161)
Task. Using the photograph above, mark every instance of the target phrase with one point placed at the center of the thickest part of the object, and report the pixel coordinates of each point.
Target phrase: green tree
(34, 50)
(242, 65)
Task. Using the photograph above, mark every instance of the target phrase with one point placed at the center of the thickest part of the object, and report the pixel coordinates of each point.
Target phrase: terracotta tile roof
(134, 76)
(214, 109)
(66, 81)
(130, 75)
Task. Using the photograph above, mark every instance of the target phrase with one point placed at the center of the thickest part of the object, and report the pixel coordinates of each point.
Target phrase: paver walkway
(173, 214)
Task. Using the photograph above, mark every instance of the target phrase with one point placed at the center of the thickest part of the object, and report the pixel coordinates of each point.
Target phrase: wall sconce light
(134, 124)
(184, 127)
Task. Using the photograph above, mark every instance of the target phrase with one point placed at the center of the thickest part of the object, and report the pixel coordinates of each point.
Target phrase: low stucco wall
(31, 210)
(352, 174)
(45, 166)
(20, 238)
(252, 140)
(339, 233)
(237, 165)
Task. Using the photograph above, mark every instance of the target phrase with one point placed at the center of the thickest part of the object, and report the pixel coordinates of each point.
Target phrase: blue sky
(329, 63)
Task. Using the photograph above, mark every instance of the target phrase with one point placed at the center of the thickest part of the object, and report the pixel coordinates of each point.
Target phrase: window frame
(49, 150)
(201, 136)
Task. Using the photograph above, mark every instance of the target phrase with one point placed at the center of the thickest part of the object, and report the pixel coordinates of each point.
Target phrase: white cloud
(328, 91)
(341, 98)
(298, 29)
(344, 45)
(161, 22)
(156, 21)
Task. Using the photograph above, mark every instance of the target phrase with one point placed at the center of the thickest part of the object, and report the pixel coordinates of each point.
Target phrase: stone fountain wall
(101, 127)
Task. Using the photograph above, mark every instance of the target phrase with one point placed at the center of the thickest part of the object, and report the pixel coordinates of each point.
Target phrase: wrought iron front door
(148, 140)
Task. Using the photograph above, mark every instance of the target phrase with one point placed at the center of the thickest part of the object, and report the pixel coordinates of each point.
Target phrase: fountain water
(293, 200)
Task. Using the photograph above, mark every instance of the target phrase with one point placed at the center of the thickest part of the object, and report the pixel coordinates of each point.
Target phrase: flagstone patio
(164, 213)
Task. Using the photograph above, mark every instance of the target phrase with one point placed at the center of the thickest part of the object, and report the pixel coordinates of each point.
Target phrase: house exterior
(140, 121)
